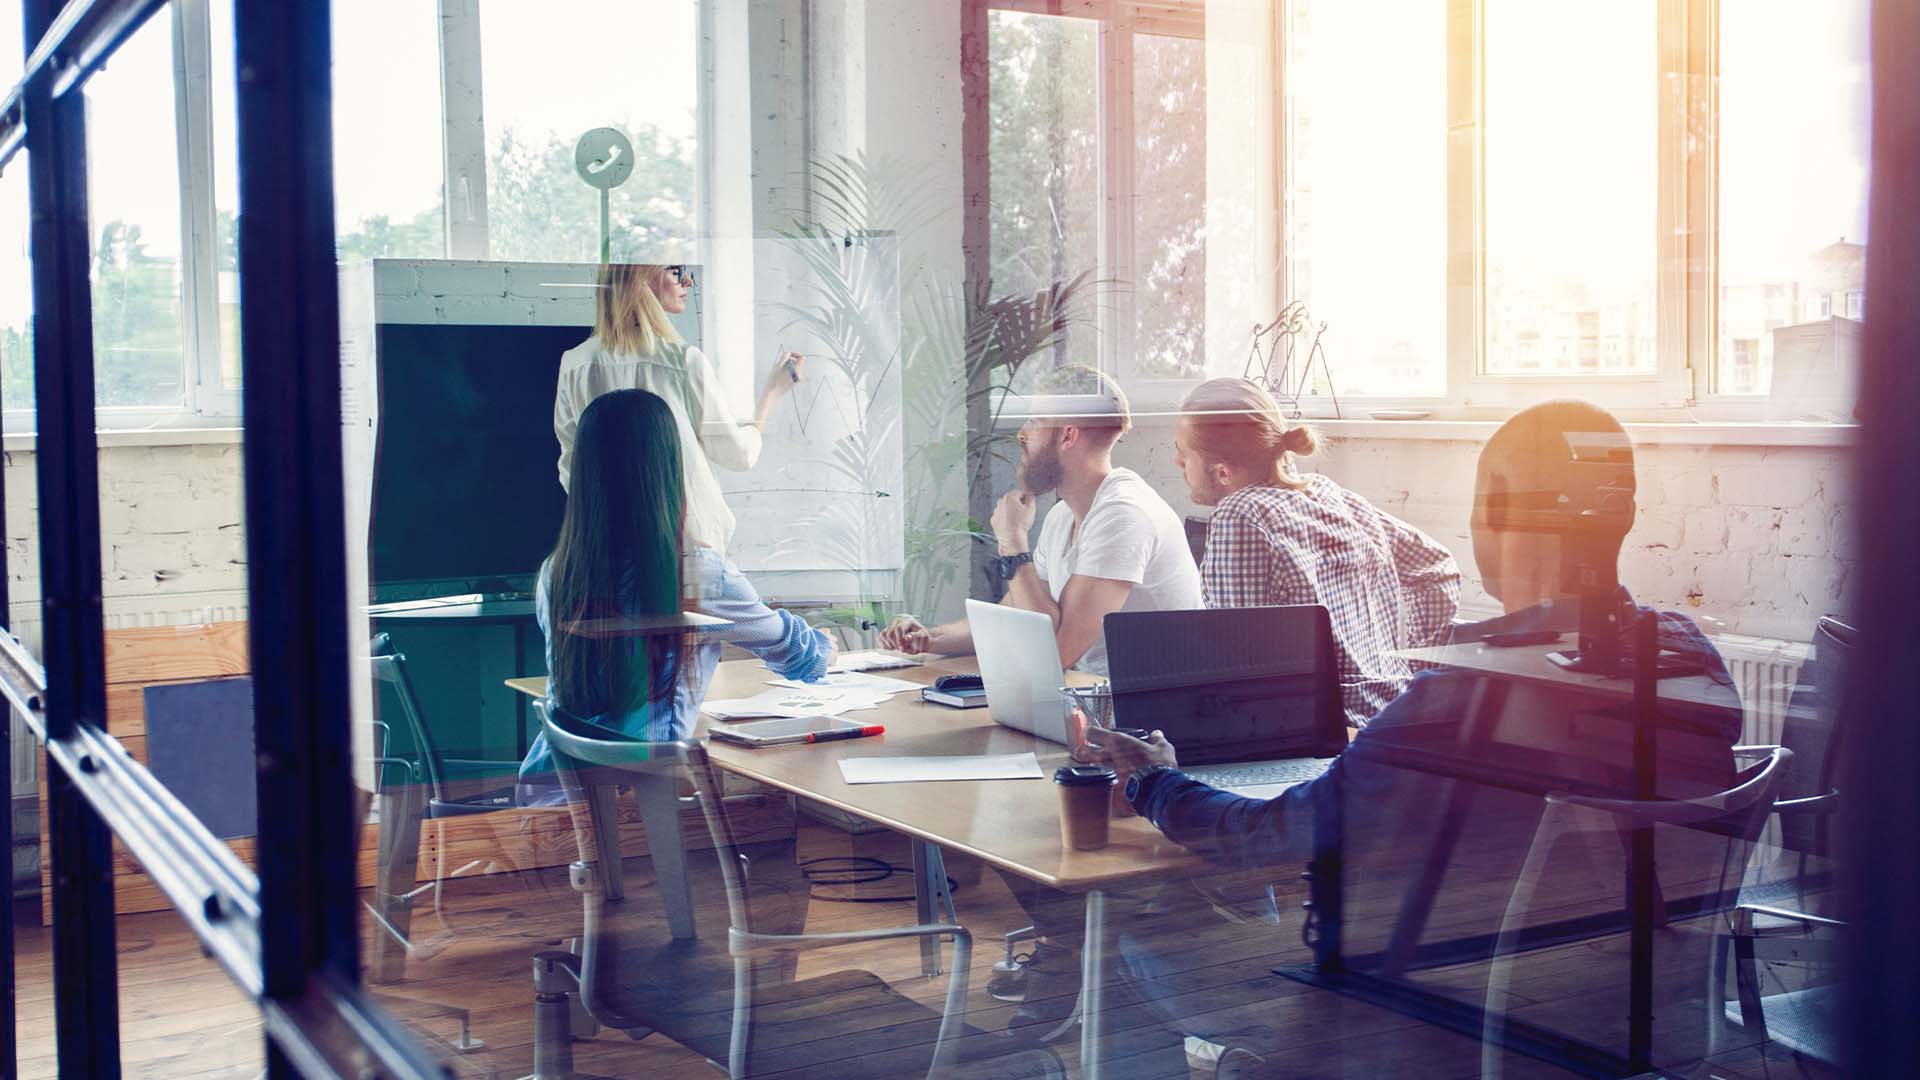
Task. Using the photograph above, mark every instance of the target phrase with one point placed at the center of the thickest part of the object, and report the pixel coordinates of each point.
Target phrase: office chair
(1775, 922)
(413, 788)
(1727, 823)
(733, 999)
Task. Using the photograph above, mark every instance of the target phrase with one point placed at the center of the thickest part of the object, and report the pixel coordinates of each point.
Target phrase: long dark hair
(618, 555)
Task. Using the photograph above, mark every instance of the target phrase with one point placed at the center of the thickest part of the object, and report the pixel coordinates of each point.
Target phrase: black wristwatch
(1135, 782)
(1008, 565)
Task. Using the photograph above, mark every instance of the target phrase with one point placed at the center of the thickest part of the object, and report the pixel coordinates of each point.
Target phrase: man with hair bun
(1278, 537)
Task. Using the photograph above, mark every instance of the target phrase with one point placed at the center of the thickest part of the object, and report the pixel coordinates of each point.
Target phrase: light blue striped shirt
(788, 645)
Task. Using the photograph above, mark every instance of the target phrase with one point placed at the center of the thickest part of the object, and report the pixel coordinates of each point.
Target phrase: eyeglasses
(681, 275)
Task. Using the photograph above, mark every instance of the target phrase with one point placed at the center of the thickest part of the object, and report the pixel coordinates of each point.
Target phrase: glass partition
(752, 416)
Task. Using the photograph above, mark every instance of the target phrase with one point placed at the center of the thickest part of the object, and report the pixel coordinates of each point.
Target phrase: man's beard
(1041, 469)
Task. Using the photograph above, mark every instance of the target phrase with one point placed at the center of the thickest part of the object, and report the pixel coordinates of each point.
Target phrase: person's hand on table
(905, 634)
(1124, 754)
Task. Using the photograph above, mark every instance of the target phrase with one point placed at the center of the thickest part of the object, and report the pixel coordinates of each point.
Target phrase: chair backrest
(591, 760)
(390, 670)
(1814, 725)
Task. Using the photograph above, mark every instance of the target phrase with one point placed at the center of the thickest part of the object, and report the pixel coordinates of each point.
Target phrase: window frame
(1683, 203)
(1116, 307)
(1684, 385)
(205, 401)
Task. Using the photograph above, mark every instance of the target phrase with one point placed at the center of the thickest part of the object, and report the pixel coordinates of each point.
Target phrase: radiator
(1764, 671)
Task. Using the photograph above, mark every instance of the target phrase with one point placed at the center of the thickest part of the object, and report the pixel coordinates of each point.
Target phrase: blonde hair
(628, 316)
(1237, 422)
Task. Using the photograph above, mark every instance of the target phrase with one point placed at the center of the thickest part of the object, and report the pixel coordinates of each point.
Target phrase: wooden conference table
(1012, 824)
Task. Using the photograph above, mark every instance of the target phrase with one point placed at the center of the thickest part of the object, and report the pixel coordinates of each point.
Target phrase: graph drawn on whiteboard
(822, 512)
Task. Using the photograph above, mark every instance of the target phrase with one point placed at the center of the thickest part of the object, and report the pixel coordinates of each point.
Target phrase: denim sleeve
(1243, 832)
(1232, 829)
(789, 646)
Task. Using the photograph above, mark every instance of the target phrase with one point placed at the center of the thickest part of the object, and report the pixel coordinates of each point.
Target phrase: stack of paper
(807, 699)
(870, 660)
(877, 684)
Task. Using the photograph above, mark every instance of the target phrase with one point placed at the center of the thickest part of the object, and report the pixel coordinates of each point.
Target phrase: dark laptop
(1248, 696)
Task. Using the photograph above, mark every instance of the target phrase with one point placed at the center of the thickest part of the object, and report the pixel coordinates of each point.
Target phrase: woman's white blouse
(684, 377)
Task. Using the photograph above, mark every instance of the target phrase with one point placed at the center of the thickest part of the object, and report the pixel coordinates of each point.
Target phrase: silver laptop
(1249, 697)
(1020, 668)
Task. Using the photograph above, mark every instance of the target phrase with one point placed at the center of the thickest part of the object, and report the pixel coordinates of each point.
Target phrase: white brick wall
(1753, 537)
(172, 542)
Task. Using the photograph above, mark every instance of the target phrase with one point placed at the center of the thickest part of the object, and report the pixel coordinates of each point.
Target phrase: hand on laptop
(1124, 754)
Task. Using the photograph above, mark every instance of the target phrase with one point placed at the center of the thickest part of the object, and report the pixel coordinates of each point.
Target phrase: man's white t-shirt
(1130, 534)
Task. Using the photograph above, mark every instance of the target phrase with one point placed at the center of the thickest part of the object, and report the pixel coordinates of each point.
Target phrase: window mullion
(1466, 220)
(1116, 318)
(1684, 328)
(463, 130)
(199, 241)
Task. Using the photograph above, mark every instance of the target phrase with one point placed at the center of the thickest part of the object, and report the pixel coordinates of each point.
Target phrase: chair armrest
(743, 943)
(1812, 804)
(1756, 750)
(1744, 914)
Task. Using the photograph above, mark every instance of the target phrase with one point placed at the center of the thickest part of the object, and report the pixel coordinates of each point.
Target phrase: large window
(133, 199)
(1365, 186)
(387, 161)
(1793, 177)
(1098, 158)
(544, 88)
(1484, 202)
(1571, 179)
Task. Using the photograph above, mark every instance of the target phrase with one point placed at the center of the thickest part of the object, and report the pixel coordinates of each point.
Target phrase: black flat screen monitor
(465, 486)
(1229, 685)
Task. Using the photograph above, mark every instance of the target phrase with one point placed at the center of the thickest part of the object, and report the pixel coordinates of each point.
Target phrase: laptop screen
(1229, 685)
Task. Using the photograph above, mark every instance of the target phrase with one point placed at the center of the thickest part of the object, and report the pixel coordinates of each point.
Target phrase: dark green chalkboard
(464, 480)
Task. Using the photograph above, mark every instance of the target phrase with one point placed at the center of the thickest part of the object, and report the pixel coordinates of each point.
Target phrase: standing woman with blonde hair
(1278, 536)
(635, 347)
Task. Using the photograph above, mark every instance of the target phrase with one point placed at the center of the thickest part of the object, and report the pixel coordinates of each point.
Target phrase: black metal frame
(287, 937)
(1335, 970)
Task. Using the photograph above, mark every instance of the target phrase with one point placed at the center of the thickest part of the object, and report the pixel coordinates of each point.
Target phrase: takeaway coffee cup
(1085, 791)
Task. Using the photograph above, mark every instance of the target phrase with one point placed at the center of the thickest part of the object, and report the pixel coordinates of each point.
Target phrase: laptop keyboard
(1261, 774)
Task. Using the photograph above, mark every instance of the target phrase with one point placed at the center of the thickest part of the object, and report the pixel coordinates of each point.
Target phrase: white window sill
(1645, 433)
(1670, 433)
(25, 441)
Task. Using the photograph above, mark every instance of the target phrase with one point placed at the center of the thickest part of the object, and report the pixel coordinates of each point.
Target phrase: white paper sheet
(854, 681)
(902, 770)
(869, 660)
(810, 699)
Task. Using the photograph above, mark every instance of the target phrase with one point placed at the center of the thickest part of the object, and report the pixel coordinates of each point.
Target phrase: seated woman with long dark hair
(620, 555)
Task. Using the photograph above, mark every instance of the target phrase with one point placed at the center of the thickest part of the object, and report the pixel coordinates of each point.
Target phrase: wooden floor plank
(181, 1016)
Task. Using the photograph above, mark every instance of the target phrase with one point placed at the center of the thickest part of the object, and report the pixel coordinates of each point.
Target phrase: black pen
(846, 733)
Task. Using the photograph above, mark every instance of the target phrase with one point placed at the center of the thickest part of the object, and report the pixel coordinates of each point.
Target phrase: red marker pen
(846, 733)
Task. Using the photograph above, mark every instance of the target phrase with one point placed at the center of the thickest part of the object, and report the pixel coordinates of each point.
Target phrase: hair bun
(1299, 440)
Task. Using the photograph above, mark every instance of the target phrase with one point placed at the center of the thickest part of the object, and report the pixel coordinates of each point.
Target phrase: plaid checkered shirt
(1386, 584)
